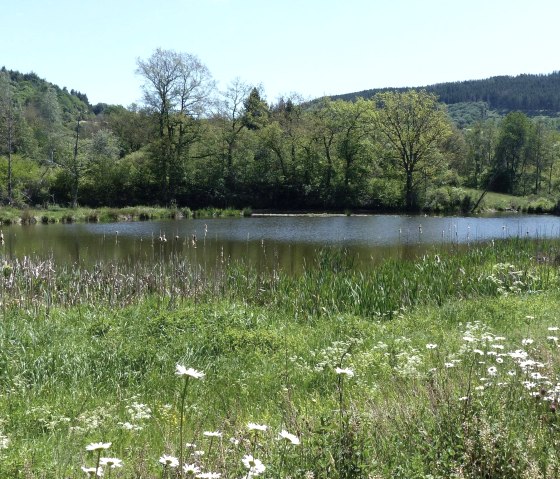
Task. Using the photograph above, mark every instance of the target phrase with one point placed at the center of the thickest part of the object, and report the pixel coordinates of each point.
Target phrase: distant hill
(30, 88)
(531, 94)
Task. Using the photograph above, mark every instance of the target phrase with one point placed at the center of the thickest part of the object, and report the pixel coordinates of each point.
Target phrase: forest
(189, 144)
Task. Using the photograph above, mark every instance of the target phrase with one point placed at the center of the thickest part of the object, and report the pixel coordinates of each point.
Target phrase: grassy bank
(442, 367)
(56, 214)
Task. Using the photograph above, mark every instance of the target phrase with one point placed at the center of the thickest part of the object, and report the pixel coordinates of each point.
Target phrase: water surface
(286, 242)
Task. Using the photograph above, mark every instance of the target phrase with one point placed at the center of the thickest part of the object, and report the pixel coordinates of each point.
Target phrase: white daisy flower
(193, 373)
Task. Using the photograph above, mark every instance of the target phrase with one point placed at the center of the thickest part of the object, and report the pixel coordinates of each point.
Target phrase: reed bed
(445, 366)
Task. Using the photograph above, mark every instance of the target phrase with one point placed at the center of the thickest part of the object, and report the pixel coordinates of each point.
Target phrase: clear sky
(311, 47)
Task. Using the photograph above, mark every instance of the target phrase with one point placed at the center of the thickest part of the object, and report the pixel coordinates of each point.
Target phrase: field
(446, 366)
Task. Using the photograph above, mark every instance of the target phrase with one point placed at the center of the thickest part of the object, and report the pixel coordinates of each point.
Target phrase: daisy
(289, 437)
(255, 466)
(191, 469)
(209, 475)
(169, 461)
(347, 371)
(431, 346)
(212, 434)
(111, 462)
(98, 446)
(193, 373)
(256, 427)
(91, 471)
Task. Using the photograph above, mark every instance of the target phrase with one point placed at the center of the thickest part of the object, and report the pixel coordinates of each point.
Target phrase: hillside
(531, 94)
(30, 91)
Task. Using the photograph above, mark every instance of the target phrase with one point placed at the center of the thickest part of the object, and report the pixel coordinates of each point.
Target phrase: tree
(232, 116)
(414, 126)
(177, 88)
(511, 152)
(7, 127)
(256, 112)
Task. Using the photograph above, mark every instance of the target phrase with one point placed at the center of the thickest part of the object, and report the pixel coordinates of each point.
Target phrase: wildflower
(511, 372)
(499, 360)
(347, 371)
(553, 328)
(479, 388)
(169, 461)
(478, 351)
(255, 466)
(464, 398)
(449, 365)
(191, 469)
(193, 373)
(198, 453)
(111, 462)
(93, 471)
(526, 341)
(552, 338)
(4, 442)
(234, 441)
(256, 427)
(209, 475)
(98, 446)
(212, 434)
(289, 437)
(431, 346)
(492, 371)
(469, 339)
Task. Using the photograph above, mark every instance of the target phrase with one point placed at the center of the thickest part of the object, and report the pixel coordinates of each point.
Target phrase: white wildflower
(256, 427)
(111, 462)
(289, 437)
(98, 446)
(169, 461)
(191, 469)
(346, 371)
(193, 373)
(255, 466)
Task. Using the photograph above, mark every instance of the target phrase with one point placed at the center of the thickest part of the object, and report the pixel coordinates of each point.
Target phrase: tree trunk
(410, 203)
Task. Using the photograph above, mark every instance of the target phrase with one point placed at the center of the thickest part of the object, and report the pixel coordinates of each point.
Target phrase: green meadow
(441, 367)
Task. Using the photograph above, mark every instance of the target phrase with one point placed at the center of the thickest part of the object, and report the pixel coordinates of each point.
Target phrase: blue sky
(312, 47)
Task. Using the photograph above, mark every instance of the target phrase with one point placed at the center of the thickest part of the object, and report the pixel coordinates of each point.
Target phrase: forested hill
(532, 94)
(31, 91)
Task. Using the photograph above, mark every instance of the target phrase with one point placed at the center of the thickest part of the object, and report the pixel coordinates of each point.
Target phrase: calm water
(284, 241)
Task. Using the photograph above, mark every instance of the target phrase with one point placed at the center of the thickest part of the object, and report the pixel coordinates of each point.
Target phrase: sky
(309, 47)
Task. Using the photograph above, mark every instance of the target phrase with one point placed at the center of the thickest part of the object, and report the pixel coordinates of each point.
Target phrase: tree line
(531, 94)
(189, 144)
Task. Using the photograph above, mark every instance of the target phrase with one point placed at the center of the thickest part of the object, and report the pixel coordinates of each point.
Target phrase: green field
(437, 368)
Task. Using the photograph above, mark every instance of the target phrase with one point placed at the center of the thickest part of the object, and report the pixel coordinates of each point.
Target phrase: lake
(286, 242)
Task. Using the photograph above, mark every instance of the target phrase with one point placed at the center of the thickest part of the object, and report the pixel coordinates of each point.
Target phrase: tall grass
(89, 355)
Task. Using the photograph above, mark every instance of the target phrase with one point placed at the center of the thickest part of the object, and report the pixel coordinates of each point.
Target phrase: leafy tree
(511, 152)
(256, 112)
(7, 127)
(414, 127)
(177, 88)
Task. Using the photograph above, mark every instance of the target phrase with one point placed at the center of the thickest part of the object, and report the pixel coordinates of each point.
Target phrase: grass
(56, 214)
(96, 362)
(503, 202)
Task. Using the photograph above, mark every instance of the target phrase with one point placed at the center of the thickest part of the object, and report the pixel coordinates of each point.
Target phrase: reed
(399, 371)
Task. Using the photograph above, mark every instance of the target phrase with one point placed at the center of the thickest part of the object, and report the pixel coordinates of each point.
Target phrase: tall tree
(7, 127)
(414, 126)
(178, 88)
(511, 152)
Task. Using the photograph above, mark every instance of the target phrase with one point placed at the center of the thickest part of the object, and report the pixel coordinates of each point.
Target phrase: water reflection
(278, 242)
